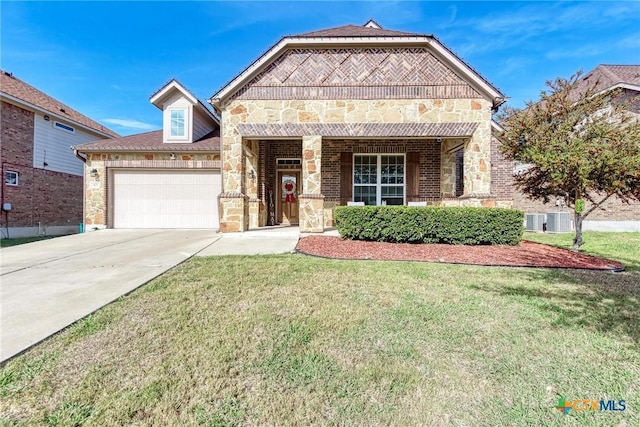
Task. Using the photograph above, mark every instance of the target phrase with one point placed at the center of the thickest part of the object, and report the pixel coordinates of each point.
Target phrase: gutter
(77, 154)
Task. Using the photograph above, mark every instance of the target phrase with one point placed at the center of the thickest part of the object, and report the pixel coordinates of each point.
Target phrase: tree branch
(596, 206)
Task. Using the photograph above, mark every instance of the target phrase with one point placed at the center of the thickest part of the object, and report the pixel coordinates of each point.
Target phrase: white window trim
(379, 183)
(184, 137)
(17, 178)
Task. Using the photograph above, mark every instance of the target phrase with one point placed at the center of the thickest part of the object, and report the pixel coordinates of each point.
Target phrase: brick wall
(429, 163)
(269, 152)
(41, 196)
(501, 173)
(612, 210)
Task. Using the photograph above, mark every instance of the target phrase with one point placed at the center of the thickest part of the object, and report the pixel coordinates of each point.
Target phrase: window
(378, 179)
(178, 128)
(11, 178)
(63, 127)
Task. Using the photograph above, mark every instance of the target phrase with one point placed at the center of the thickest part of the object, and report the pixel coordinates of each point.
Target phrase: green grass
(623, 247)
(4, 243)
(295, 340)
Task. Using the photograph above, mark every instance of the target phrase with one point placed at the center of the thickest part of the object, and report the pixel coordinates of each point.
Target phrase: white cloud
(130, 124)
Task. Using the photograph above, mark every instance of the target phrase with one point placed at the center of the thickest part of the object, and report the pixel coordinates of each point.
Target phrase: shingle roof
(612, 75)
(16, 88)
(356, 31)
(152, 141)
(358, 130)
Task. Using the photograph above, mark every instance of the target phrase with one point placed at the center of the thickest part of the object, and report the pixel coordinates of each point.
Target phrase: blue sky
(105, 59)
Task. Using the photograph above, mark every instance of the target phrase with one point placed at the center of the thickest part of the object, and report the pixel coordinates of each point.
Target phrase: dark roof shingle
(152, 141)
(16, 88)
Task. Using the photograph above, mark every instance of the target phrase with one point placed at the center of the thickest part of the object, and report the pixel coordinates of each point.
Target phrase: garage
(165, 198)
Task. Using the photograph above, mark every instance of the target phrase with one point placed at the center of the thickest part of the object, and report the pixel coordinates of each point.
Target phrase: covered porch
(292, 176)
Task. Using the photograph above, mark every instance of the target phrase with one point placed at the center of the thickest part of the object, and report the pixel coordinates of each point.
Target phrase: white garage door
(165, 199)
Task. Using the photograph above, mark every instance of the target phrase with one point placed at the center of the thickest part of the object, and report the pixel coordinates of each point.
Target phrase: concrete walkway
(271, 240)
(48, 285)
(45, 286)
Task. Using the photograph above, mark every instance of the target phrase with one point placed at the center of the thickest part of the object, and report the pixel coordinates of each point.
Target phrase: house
(168, 178)
(613, 215)
(350, 114)
(42, 186)
(353, 114)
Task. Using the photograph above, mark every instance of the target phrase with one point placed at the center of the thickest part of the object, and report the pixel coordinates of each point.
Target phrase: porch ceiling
(357, 130)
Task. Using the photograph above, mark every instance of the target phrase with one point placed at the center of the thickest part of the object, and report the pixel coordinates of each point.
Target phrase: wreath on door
(289, 189)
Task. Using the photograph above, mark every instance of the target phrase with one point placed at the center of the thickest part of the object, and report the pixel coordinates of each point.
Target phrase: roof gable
(17, 89)
(168, 92)
(367, 72)
(351, 38)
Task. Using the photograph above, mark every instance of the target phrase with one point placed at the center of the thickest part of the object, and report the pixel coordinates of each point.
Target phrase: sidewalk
(264, 241)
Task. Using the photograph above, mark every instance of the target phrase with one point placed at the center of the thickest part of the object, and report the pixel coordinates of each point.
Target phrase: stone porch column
(477, 168)
(448, 168)
(311, 201)
(233, 203)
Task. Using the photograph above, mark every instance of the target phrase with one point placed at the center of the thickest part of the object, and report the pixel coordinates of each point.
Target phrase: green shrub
(453, 225)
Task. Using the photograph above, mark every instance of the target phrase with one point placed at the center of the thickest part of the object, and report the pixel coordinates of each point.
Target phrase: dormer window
(178, 123)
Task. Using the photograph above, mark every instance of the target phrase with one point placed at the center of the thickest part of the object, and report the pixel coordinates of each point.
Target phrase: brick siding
(501, 173)
(41, 196)
(612, 210)
(269, 151)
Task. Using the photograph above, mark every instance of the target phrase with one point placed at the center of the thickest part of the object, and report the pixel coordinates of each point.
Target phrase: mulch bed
(526, 254)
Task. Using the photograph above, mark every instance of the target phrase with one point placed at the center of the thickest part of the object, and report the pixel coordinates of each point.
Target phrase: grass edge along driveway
(295, 340)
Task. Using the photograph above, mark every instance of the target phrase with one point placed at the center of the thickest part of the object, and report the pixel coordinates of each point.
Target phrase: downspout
(84, 183)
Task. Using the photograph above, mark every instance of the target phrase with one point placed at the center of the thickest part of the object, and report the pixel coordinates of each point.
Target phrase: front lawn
(4, 243)
(623, 247)
(295, 340)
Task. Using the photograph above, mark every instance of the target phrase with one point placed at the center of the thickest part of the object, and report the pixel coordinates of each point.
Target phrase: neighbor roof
(13, 87)
(151, 141)
(349, 35)
(612, 76)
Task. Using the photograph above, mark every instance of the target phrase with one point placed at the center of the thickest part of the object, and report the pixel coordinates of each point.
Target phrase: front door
(288, 191)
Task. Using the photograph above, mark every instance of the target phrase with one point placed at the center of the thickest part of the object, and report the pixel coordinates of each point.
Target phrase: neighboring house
(613, 215)
(353, 114)
(42, 186)
(169, 178)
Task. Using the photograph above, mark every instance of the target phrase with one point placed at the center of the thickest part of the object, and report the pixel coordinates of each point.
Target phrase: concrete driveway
(47, 285)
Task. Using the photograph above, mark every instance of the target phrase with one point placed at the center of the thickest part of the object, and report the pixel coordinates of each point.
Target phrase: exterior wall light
(94, 173)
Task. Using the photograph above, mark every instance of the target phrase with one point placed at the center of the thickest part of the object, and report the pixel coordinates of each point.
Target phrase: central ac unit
(535, 222)
(558, 222)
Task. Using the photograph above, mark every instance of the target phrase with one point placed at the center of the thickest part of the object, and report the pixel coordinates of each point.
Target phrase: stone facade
(42, 198)
(477, 147)
(96, 209)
